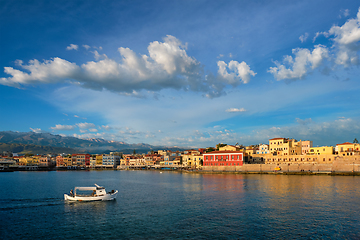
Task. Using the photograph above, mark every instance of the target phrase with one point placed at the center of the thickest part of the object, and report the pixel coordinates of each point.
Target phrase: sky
(182, 73)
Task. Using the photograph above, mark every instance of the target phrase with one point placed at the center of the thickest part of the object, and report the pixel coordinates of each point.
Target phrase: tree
(210, 149)
(355, 141)
(134, 151)
(220, 145)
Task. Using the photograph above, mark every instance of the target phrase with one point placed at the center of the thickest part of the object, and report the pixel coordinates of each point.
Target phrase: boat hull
(106, 197)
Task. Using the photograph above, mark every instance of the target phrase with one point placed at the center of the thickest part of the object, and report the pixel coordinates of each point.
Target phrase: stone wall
(347, 164)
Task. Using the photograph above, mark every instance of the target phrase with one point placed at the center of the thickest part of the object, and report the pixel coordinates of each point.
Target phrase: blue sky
(182, 73)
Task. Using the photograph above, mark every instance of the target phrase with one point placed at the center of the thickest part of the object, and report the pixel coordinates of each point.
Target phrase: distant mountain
(33, 149)
(93, 145)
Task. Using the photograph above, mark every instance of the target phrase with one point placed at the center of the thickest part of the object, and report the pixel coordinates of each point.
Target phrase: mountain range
(93, 145)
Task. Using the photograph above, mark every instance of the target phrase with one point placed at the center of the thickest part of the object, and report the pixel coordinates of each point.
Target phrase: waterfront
(172, 205)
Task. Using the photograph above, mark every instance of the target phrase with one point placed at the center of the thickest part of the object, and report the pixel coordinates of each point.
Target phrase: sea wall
(350, 164)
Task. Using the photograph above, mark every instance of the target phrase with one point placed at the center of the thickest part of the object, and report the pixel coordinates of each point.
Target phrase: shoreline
(198, 171)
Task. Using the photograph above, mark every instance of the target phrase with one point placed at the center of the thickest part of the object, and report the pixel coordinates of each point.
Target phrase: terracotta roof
(345, 143)
(276, 138)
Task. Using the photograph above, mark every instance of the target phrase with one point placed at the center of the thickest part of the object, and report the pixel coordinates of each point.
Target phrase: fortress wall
(337, 164)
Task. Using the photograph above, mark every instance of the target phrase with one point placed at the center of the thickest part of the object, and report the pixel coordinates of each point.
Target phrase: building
(321, 150)
(98, 160)
(348, 149)
(196, 161)
(263, 149)
(93, 161)
(223, 158)
(81, 160)
(169, 160)
(44, 161)
(110, 160)
(284, 146)
(59, 161)
(229, 148)
(67, 161)
(305, 146)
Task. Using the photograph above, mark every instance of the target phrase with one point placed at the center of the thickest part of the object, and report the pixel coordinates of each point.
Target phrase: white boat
(96, 193)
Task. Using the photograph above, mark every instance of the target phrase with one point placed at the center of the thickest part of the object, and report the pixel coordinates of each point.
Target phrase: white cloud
(304, 62)
(93, 130)
(304, 37)
(92, 135)
(49, 71)
(36, 130)
(346, 48)
(344, 13)
(86, 125)
(321, 133)
(241, 72)
(99, 56)
(62, 127)
(347, 38)
(107, 128)
(231, 110)
(167, 65)
(87, 47)
(72, 47)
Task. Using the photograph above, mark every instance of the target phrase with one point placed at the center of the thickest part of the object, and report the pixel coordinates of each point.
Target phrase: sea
(180, 205)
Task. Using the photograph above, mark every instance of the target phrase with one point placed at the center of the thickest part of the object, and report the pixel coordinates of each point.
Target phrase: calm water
(170, 205)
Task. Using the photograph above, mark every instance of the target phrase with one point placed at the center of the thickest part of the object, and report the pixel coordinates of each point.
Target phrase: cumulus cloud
(167, 65)
(72, 47)
(49, 71)
(241, 72)
(345, 49)
(304, 61)
(86, 125)
(232, 110)
(346, 41)
(62, 127)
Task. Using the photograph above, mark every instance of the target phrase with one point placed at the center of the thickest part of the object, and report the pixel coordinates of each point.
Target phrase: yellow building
(32, 161)
(22, 161)
(99, 160)
(348, 149)
(67, 161)
(229, 148)
(284, 146)
(321, 150)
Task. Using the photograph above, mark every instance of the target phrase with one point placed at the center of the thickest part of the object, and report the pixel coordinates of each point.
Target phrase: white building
(263, 149)
(110, 160)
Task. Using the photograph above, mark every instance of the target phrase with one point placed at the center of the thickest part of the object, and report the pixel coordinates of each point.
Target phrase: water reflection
(181, 206)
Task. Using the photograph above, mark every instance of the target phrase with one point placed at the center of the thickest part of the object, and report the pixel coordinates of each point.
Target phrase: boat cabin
(84, 191)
